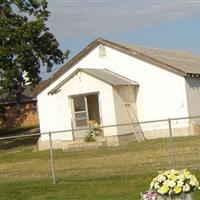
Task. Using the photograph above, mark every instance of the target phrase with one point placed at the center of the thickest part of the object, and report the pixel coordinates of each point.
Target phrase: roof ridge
(160, 49)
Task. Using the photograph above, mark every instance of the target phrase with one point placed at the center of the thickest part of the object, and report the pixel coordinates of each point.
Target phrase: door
(80, 111)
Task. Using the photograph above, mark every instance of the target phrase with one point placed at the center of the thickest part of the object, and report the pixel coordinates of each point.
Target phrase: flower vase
(180, 197)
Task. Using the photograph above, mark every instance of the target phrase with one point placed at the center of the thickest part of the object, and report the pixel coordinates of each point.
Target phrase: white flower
(153, 183)
(160, 191)
(170, 183)
(193, 181)
(156, 185)
(161, 178)
(181, 177)
(186, 188)
(173, 171)
(180, 183)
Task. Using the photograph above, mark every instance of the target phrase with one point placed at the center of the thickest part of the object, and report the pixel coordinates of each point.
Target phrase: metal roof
(104, 75)
(109, 77)
(185, 61)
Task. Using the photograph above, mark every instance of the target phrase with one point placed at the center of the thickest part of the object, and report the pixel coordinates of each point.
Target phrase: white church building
(114, 83)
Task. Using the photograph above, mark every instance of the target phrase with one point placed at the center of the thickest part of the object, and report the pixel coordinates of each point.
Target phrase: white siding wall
(193, 95)
(124, 95)
(56, 113)
(161, 94)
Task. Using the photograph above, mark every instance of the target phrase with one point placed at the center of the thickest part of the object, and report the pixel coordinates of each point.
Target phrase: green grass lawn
(112, 173)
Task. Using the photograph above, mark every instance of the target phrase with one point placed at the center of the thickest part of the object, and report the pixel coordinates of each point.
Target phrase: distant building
(16, 114)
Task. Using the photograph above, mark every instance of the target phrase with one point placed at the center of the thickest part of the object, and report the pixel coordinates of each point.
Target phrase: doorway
(85, 108)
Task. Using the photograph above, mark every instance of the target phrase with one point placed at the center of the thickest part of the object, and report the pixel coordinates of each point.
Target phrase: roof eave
(193, 75)
(56, 89)
(133, 83)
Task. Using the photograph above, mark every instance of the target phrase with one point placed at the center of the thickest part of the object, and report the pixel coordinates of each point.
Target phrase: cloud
(82, 18)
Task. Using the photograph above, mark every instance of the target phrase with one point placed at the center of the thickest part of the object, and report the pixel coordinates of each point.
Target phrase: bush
(90, 137)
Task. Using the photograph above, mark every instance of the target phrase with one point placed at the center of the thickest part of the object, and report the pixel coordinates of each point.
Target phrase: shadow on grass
(18, 142)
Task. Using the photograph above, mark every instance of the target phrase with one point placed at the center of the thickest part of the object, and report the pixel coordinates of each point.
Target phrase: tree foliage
(26, 44)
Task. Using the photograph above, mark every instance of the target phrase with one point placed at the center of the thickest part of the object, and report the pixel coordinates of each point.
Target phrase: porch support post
(72, 125)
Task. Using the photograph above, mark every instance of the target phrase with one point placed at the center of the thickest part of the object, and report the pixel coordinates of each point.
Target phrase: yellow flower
(186, 173)
(164, 189)
(193, 181)
(177, 189)
(172, 177)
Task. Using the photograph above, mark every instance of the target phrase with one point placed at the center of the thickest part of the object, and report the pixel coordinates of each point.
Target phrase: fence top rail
(107, 126)
(19, 136)
(180, 118)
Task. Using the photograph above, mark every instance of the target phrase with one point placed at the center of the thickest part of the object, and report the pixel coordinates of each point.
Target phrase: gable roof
(104, 75)
(179, 62)
(184, 61)
(27, 96)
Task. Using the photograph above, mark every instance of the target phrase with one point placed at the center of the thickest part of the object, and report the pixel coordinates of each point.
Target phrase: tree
(26, 44)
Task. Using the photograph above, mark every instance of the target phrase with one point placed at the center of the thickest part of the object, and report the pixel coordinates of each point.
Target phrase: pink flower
(149, 195)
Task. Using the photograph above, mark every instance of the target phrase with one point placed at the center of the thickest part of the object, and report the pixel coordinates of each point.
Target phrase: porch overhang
(104, 75)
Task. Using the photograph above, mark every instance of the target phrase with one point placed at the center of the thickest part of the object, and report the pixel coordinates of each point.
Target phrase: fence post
(72, 125)
(52, 159)
(171, 144)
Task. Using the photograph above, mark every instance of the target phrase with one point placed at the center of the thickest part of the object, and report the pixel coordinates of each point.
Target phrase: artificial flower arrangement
(94, 127)
(172, 184)
(149, 195)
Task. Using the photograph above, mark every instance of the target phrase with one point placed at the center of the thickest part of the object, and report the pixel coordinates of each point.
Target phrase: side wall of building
(193, 95)
(193, 99)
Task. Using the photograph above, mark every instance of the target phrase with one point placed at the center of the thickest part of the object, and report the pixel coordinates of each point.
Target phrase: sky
(171, 24)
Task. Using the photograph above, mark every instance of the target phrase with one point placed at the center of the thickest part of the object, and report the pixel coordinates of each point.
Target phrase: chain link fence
(138, 148)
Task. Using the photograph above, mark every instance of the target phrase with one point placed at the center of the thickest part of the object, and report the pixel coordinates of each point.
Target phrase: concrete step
(80, 144)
